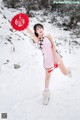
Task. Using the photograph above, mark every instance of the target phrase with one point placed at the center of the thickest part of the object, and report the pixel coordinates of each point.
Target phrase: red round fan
(20, 21)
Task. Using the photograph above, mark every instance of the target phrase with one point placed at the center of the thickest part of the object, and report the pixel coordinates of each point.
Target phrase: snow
(21, 89)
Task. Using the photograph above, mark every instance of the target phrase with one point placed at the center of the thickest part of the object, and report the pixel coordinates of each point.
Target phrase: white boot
(46, 96)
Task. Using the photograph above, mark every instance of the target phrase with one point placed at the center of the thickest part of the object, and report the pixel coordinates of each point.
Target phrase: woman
(50, 56)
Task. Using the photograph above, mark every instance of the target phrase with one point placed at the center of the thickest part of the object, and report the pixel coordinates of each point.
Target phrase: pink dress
(48, 59)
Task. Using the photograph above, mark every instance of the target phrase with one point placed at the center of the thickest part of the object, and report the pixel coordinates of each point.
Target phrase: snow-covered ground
(21, 89)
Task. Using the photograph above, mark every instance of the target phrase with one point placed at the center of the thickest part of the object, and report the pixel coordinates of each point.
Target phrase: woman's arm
(54, 48)
(32, 35)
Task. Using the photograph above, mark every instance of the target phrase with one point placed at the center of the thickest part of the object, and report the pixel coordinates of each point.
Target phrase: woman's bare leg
(47, 78)
(46, 92)
(62, 67)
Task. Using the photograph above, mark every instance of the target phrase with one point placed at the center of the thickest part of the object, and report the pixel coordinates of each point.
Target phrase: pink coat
(48, 59)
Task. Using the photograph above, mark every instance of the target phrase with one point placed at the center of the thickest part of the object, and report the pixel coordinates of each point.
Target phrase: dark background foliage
(71, 10)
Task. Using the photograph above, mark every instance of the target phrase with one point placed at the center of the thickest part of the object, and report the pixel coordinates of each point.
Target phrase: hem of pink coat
(48, 68)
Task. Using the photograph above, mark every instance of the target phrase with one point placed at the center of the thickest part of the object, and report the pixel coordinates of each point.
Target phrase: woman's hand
(55, 63)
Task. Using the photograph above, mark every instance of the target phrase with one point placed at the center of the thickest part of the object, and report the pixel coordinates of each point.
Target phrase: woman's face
(39, 30)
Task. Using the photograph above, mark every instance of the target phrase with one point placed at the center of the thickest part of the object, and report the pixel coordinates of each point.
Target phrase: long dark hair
(35, 27)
